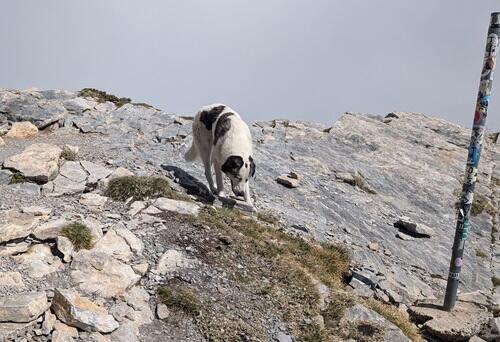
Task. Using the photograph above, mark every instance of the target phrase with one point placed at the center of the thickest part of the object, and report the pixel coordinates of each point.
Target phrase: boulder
(38, 261)
(23, 307)
(22, 130)
(38, 162)
(50, 230)
(65, 246)
(73, 171)
(80, 312)
(418, 229)
(16, 225)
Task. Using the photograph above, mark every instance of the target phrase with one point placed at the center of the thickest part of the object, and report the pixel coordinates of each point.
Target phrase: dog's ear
(232, 165)
(252, 166)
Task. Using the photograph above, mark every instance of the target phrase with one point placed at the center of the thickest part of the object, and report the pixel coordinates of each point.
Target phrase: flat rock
(14, 248)
(38, 261)
(22, 130)
(80, 312)
(418, 229)
(173, 260)
(119, 172)
(288, 181)
(114, 245)
(359, 312)
(48, 322)
(38, 162)
(96, 172)
(136, 207)
(50, 230)
(66, 186)
(26, 188)
(23, 307)
(181, 207)
(5, 176)
(93, 200)
(73, 171)
(100, 273)
(37, 210)
(11, 279)
(460, 324)
(15, 225)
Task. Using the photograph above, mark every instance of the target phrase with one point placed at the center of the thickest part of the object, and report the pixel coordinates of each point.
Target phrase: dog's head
(239, 170)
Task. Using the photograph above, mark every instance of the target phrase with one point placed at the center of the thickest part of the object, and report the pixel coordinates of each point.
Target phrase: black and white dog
(221, 138)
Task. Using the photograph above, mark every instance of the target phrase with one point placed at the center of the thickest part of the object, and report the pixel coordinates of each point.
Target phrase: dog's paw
(221, 194)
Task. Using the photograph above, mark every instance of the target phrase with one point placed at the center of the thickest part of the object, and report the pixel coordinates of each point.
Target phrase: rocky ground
(182, 268)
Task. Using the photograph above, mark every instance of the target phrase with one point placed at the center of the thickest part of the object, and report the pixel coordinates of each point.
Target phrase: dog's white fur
(236, 141)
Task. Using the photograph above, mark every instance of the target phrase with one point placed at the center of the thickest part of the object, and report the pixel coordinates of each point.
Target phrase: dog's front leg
(246, 194)
(208, 175)
(219, 180)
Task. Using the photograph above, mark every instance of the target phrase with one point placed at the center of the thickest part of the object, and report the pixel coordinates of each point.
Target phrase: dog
(222, 139)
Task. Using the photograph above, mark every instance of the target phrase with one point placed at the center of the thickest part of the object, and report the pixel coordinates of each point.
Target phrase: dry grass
(395, 317)
(101, 96)
(481, 253)
(69, 155)
(268, 217)
(140, 188)
(180, 298)
(79, 235)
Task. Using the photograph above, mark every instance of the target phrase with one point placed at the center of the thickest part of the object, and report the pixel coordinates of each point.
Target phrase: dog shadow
(191, 184)
(196, 188)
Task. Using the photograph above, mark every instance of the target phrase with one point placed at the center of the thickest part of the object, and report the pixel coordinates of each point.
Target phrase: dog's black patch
(232, 165)
(252, 166)
(223, 126)
(208, 117)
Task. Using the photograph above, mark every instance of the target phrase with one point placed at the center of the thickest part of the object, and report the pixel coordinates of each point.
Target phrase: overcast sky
(309, 59)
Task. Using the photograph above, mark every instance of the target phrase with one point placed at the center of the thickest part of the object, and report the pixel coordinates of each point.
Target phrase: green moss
(17, 177)
(180, 298)
(79, 235)
(101, 96)
(139, 188)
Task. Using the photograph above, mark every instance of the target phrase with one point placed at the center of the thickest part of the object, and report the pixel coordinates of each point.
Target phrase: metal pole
(476, 141)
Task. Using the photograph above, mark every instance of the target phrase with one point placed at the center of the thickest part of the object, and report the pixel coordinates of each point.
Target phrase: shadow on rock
(192, 185)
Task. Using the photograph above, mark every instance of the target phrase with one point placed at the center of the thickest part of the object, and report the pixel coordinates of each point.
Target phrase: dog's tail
(191, 154)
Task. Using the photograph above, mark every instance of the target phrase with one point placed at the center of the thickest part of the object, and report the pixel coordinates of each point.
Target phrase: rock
(360, 313)
(98, 272)
(2, 142)
(65, 246)
(66, 186)
(495, 325)
(288, 180)
(93, 200)
(126, 332)
(50, 230)
(141, 268)
(136, 207)
(15, 248)
(22, 130)
(120, 311)
(132, 241)
(283, 337)
(119, 172)
(38, 162)
(73, 171)
(181, 207)
(48, 323)
(173, 260)
(95, 228)
(5, 177)
(373, 246)
(63, 332)
(463, 322)
(476, 339)
(80, 312)
(96, 172)
(162, 311)
(114, 245)
(9, 331)
(152, 210)
(404, 236)
(16, 225)
(36, 210)
(78, 105)
(71, 150)
(23, 307)
(26, 188)
(11, 279)
(38, 261)
(418, 229)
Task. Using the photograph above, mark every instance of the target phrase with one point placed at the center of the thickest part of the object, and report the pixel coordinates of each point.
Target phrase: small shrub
(268, 217)
(180, 298)
(495, 281)
(101, 96)
(79, 235)
(69, 155)
(481, 253)
(17, 177)
(122, 188)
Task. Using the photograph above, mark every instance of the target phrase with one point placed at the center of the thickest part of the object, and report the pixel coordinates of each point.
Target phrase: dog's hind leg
(246, 194)
(208, 174)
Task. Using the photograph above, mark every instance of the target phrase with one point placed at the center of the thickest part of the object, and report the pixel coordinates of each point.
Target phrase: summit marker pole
(478, 129)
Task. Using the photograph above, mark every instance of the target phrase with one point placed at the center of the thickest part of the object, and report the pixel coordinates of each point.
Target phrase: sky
(297, 59)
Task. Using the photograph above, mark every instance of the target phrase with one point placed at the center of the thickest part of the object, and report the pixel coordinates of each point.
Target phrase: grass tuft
(395, 317)
(79, 235)
(180, 298)
(268, 217)
(17, 177)
(101, 96)
(140, 188)
(481, 253)
(69, 155)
